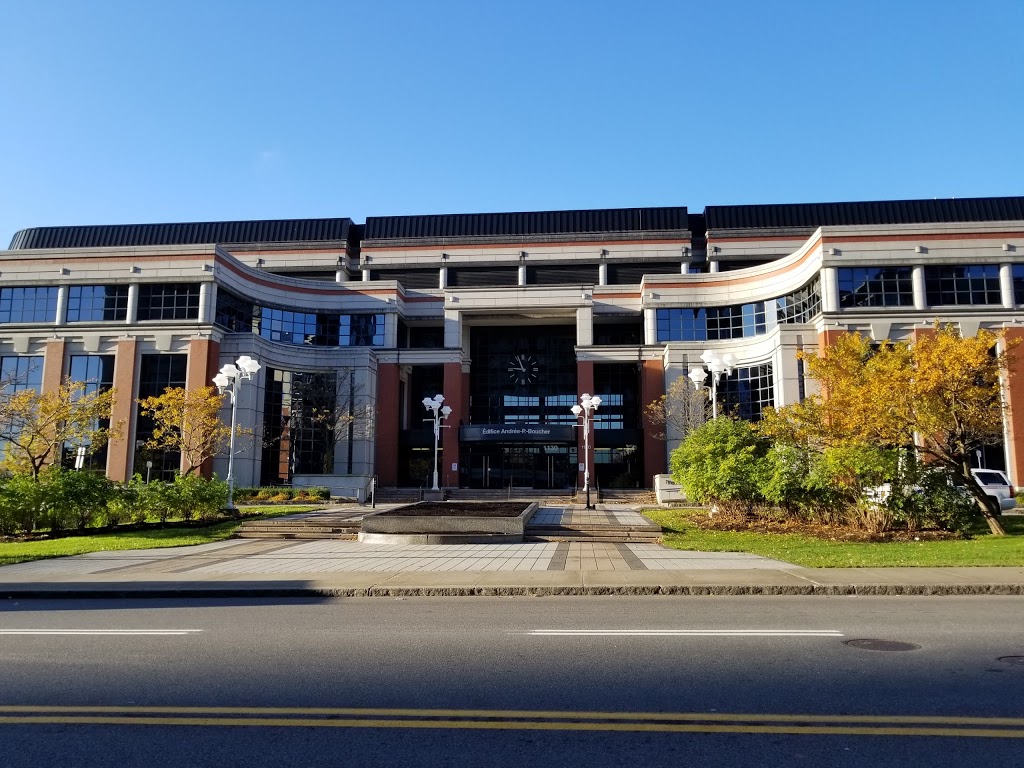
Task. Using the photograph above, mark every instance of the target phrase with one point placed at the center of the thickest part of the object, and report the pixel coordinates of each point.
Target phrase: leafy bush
(22, 505)
(74, 498)
(128, 502)
(319, 493)
(720, 461)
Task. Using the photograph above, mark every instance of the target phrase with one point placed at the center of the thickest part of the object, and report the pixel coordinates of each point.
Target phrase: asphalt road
(727, 681)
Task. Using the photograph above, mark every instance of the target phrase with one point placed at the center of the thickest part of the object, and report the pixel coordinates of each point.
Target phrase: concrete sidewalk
(276, 568)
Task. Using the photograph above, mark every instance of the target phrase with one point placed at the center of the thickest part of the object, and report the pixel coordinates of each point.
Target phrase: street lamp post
(587, 404)
(717, 364)
(229, 380)
(437, 413)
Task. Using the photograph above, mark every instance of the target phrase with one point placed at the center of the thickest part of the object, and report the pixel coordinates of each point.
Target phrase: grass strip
(983, 549)
(24, 551)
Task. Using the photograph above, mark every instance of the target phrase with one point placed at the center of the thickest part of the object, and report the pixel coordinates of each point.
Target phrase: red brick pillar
(1014, 394)
(119, 451)
(387, 410)
(456, 395)
(585, 385)
(203, 364)
(652, 386)
(53, 365)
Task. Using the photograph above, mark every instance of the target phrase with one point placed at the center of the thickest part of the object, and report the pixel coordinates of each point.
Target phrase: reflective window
(962, 285)
(800, 305)
(1018, 283)
(746, 391)
(362, 331)
(711, 323)
(18, 372)
(97, 303)
(174, 301)
(157, 373)
(235, 313)
(97, 372)
(300, 415)
(875, 287)
(28, 305)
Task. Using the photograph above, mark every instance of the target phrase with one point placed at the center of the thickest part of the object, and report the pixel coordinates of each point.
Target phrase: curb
(710, 590)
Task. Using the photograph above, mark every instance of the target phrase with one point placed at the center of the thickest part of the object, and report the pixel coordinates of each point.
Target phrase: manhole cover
(1016, 660)
(882, 645)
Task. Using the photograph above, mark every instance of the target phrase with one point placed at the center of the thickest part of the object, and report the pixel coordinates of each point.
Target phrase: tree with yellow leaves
(188, 421)
(35, 426)
(940, 394)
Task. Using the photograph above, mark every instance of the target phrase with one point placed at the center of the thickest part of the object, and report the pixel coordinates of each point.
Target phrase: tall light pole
(587, 404)
(717, 364)
(437, 413)
(229, 380)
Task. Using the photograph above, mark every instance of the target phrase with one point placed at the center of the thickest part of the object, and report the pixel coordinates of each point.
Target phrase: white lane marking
(98, 631)
(686, 632)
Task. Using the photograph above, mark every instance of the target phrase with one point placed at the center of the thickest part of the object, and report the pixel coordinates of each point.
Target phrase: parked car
(995, 484)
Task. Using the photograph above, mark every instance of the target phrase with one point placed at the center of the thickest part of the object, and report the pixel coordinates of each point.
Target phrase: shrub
(319, 493)
(22, 505)
(127, 503)
(74, 498)
(196, 496)
(720, 461)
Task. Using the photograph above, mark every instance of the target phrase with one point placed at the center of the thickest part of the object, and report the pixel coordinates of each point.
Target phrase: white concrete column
(712, 266)
(522, 274)
(131, 317)
(442, 278)
(585, 326)
(391, 330)
(340, 275)
(366, 275)
(1006, 285)
(650, 326)
(684, 268)
(829, 289)
(452, 328)
(771, 314)
(62, 305)
(920, 293)
(207, 301)
(602, 274)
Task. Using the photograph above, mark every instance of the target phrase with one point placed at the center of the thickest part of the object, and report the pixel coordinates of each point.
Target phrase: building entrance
(520, 466)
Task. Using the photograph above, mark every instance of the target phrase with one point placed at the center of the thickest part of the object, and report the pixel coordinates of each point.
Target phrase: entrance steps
(547, 497)
(644, 497)
(605, 525)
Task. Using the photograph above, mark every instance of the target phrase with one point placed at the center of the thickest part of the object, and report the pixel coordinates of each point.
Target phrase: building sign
(517, 433)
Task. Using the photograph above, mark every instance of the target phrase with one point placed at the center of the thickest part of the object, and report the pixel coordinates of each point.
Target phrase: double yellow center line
(521, 720)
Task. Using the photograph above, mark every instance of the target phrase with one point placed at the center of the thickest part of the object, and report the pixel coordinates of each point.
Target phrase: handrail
(371, 484)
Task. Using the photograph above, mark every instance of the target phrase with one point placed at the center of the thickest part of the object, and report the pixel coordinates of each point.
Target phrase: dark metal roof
(271, 231)
(526, 223)
(814, 215)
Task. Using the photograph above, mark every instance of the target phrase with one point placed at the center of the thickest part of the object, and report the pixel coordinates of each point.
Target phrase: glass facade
(97, 303)
(289, 326)
(962, 285)
(97, 372)
(711, 323)
(1018, 283)
(18, 372)
(157, 373)
(746, 391)
(28, 305)
(302, 412)
(800, 305)
(875, 287)
(170, 301)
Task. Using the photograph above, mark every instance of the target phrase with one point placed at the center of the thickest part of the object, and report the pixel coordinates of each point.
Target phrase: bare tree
(680, 411)
(325, 411)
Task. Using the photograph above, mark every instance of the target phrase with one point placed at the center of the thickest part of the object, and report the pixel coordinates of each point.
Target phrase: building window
(875, 287)
(157, 373)
(711, 323)
(962, 285)
(800, 305)
(18, 372)
(1018, 283)
(363, 331)
(234, 313)
(28, 305)
(288, 327)
(175, 301)
(299, 418)
(97, 373)
(97, 303)
(746, 391)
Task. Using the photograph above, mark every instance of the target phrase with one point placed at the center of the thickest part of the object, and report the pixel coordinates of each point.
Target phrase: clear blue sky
(138, 111)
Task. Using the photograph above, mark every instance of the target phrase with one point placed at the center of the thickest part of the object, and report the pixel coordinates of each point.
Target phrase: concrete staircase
(592, 525)
(638, 497)
(327, 524)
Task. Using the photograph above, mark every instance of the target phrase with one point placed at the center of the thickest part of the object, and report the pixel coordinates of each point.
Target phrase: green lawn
(23, 551)
(983, 549)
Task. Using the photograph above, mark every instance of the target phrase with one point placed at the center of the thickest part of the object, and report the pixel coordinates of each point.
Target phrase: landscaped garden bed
(449, 522)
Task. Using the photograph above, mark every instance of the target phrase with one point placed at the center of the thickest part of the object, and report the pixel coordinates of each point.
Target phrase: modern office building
(510, 315)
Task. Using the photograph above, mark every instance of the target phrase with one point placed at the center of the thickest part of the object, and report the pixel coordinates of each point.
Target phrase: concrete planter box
(446, 529)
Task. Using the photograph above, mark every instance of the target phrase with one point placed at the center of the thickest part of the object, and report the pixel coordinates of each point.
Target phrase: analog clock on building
(523, 369)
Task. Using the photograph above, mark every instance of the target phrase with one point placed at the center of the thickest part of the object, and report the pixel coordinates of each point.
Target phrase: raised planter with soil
(449, 523)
